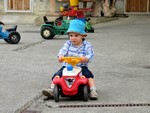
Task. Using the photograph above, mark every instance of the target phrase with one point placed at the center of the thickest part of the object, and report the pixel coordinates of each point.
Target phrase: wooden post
(52, 8)
(109, 10)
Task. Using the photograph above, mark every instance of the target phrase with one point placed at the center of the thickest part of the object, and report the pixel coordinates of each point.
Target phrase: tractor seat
(1, 23)
(47, 21)
(12, 29)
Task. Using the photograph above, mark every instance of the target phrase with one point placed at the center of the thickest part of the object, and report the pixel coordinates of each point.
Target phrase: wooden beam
(52, 8)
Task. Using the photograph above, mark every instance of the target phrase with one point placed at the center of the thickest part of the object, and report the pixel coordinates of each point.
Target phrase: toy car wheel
(14, 37)
(56, 93)
(47, 33)
(85, 93)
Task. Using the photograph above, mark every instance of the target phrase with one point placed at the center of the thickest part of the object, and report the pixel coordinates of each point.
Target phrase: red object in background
(79, 13)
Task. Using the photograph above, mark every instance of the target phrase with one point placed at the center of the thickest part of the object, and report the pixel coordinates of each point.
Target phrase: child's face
(76, 38)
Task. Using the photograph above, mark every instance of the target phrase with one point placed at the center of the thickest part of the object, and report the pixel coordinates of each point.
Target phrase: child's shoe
(93, 94)
(48, 92)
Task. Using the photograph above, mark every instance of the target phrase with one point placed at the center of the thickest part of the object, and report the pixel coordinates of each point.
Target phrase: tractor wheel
(14, 37)
(92, 30)
(58, 22)
(85, 93)
(47, 33)
(6, 40)
(86, 30)
(56, 93)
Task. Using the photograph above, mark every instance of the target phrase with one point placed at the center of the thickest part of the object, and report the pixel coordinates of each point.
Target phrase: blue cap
(77, 26)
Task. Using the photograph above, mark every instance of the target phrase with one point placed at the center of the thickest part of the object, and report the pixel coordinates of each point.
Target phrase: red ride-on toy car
(72, 83)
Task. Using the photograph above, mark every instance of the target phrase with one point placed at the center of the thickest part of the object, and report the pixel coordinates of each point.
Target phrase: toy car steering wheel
(72, 60)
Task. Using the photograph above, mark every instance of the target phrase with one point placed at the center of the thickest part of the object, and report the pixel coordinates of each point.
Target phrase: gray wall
(1, 6)
(120, 6)
(43, 6)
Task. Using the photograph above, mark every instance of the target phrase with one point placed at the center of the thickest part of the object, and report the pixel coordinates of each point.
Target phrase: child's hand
(60, 59)
(84, 59)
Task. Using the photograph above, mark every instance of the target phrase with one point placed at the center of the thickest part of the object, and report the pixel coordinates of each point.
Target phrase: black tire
(6, 40)
(92, 30)
(14, 37)
(47, 33)
(86, 30)
(56, 93)
(58, 21)
(85, 93)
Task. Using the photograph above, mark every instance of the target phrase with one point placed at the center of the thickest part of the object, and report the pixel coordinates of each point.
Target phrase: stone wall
(1, 6)
(43, 6)
(120, 7)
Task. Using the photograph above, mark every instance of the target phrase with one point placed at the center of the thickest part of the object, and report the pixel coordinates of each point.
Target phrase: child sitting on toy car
(76, 46)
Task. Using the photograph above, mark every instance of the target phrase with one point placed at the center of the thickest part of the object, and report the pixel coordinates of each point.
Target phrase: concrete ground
(121, 68)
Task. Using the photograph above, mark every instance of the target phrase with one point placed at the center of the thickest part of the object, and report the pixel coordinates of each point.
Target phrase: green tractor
(50, 29)
(59, 27)
(88, 26)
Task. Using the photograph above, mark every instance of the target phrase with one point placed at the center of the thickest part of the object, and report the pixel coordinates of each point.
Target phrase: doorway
(17, 5)
(137, 6)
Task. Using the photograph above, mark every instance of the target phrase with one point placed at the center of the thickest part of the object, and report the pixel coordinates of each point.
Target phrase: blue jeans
(85, 71)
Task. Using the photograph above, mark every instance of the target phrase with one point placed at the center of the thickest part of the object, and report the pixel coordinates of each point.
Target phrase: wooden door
(149, 6)
(139, 6)
(18, 5)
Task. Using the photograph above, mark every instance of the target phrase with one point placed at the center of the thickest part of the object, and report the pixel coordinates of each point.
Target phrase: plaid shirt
(86, 50)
